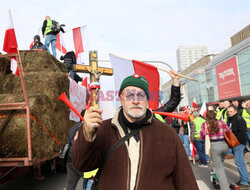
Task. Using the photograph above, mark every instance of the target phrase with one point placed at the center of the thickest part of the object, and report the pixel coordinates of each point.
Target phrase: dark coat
(72, 133)
(39, 45)
(173, 102)
(239, 127)
(163, 163)
(69, 59)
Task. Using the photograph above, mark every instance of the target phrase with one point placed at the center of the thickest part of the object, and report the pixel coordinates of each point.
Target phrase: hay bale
(45, 80)
(14, 134)
(50, 83)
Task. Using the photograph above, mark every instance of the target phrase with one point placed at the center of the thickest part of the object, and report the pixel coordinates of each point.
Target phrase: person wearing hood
(154, 158)
(37, 44)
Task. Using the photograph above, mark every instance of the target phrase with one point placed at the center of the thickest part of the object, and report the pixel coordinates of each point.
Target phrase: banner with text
(228, 79)
(77, 95)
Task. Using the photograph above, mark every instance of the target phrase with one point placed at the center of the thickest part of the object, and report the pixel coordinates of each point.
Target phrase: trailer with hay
(34, 124)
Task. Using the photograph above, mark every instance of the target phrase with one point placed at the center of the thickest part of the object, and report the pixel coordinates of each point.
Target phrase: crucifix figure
(95, 73)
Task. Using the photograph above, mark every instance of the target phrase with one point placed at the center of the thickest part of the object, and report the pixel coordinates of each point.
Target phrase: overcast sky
(134, 29)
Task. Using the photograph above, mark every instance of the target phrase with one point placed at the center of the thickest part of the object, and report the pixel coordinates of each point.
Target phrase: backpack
(56, 27)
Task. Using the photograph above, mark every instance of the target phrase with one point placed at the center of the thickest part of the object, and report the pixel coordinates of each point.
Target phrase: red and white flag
(123, 68)
(203, 110)
(60, 44)
(77, 95)
(85, 82)
(193, 150)
(194, 103)
(80, 42)
(10, 44)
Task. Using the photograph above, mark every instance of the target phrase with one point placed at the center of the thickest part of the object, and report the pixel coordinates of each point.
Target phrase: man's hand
(174, 75)
(92, 121)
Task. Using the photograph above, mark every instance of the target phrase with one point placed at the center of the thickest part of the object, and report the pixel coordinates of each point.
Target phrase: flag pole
(21, 67)
(60, 41)
(26, 98)
(180, 75)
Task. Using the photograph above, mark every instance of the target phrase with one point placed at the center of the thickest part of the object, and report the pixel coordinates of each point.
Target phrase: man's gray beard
(138, 115)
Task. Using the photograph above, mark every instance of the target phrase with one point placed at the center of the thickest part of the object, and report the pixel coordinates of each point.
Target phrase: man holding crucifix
(152, 157)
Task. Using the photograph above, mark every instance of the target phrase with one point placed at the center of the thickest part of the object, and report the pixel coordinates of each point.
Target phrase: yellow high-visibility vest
(90, 174)
(159, 117)
(219, 114)
(48, 26)
(198, 122)
(246, 117)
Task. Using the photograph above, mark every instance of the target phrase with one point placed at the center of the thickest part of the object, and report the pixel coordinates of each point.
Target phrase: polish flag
(85, 82)
(193, 150)
(60, 44)
(185, 109)
(123, 68)
(203, 110)
(10, 44)
(194, 103)
(80, 42)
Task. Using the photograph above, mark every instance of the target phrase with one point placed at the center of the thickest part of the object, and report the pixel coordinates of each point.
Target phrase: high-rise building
(187, 55)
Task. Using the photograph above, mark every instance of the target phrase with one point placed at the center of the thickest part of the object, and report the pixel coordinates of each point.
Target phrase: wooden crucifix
(95, 73)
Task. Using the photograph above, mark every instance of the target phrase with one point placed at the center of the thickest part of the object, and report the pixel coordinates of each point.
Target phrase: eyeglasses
(139, 96)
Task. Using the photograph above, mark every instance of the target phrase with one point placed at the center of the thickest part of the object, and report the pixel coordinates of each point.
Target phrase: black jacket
(39, 45)
(173, 102)
(69, 59)
(239, 127)
(72, 133)
(175, 125)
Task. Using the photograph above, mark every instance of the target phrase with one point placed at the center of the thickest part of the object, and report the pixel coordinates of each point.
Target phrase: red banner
(228, 79)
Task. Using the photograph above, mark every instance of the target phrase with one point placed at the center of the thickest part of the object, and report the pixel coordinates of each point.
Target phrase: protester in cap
(37, 44)
(152, 159)
(49, 34)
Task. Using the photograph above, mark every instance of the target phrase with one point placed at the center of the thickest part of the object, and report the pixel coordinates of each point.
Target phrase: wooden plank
(87, 68)
(8, 55)
(13, 106)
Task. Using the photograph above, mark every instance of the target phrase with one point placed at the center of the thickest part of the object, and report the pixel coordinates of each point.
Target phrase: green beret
(135, 80)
